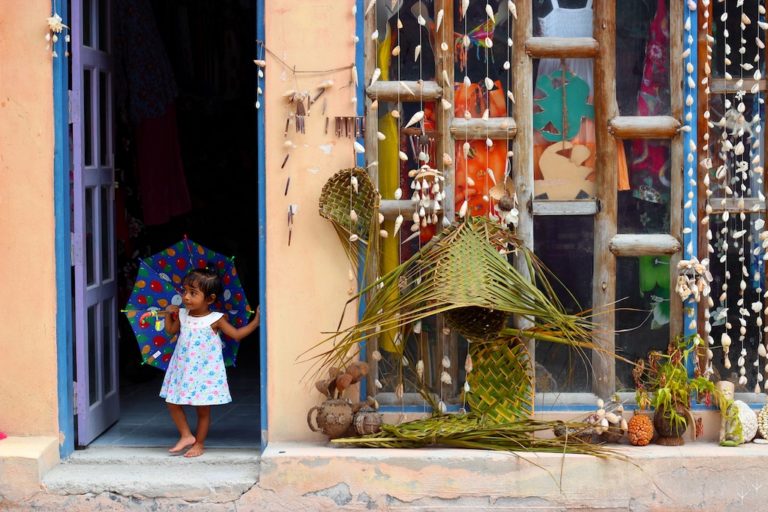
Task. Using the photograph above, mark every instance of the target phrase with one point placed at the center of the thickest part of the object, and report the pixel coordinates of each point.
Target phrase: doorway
(181, 85)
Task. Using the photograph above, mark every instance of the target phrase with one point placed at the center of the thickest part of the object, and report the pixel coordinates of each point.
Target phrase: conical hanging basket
(477, 323)
(339, 197)
(501, 381)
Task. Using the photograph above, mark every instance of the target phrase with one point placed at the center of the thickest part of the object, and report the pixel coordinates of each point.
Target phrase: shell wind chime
(428, 193)
(732, 181)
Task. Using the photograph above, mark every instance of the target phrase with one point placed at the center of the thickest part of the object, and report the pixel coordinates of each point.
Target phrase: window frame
(609, 133)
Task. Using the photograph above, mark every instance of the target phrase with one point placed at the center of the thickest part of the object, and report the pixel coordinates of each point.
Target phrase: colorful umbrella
(159, 283)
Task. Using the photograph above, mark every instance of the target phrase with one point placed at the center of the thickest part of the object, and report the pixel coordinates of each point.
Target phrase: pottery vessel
(333, 418)
(669, 433)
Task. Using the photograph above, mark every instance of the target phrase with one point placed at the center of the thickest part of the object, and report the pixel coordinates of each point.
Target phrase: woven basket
(477, 323)
(338, 198)
(501, 383)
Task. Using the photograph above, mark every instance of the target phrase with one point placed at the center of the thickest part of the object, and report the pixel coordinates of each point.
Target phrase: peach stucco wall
(307, 282)
(28, 404)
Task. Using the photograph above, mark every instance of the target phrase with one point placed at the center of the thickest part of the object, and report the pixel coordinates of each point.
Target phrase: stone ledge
(696, 476)
(23, 462)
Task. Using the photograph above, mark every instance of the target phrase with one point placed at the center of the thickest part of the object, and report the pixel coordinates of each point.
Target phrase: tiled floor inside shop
(144, 419)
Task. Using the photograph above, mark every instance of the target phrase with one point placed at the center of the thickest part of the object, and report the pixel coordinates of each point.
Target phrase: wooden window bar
(561, 47)
(542, 207)
(644, 245)
(404, 90)
(644, 127)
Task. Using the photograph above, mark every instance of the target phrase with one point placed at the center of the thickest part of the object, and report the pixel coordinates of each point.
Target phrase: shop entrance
(164, 145)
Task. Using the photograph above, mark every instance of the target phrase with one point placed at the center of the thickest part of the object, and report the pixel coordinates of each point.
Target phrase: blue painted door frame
(61, 186)
(62, 207)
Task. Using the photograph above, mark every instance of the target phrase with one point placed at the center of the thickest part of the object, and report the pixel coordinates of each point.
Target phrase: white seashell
(466, 387)
(444, 46)
(439, 21)
(398, 193)
(396, 51)
(380, 136)
(446, 104)
(398, 224)
(466, 147)
(418, 116)
(353, 238)
(416, 53)
(395, 113)
(445, 378)
(488, 42)
(463, 209)
(464, 7)
(359, 148)
(512, 8)
(446, 362)
(489, 12)
(376, 355)
(420, 369)
(467, 81)
(353, 182)
(421, 20)
(375, 76)
(353, 215)
(383, 233)
(403, 156)
(375, 35)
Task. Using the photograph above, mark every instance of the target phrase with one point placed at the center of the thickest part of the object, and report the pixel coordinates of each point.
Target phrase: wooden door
(93, 240)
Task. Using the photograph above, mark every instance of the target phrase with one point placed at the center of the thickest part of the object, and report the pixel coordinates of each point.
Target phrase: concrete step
(219, 475)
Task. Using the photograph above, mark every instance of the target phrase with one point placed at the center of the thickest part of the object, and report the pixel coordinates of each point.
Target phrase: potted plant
(663, 382)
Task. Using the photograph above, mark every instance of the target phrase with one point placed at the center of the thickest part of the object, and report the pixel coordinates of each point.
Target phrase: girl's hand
(172, 324)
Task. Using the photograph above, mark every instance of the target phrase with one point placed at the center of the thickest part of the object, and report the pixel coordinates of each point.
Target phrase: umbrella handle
(313, 424)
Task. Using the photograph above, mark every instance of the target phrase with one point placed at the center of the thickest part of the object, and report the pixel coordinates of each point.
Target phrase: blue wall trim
(262, 194)
(360, 159)
(61, 167)
(690, 168)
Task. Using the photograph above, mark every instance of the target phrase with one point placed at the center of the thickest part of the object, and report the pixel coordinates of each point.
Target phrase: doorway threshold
(219, 475)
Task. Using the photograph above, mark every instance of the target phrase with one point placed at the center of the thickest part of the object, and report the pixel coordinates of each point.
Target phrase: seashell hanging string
(731, 221)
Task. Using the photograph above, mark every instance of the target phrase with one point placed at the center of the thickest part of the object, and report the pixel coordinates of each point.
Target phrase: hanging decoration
(56, 27)
(733, 186)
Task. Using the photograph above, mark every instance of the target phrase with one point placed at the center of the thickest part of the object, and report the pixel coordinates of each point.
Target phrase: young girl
(195, 374)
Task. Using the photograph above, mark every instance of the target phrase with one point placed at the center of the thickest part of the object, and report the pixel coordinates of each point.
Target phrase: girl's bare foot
(183, 443)
(196, 450)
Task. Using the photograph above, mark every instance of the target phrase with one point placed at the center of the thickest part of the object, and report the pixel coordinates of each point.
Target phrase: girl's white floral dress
(196, 374)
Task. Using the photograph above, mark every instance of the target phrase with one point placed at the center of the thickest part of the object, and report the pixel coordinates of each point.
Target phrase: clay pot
(670, 434)
(333, 418)
(367, 421)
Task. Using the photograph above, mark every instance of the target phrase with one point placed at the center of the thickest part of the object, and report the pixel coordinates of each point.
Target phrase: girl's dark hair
(206, 280)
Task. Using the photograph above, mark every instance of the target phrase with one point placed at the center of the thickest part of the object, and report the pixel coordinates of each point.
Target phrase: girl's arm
(172, 323)
(237, 333)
